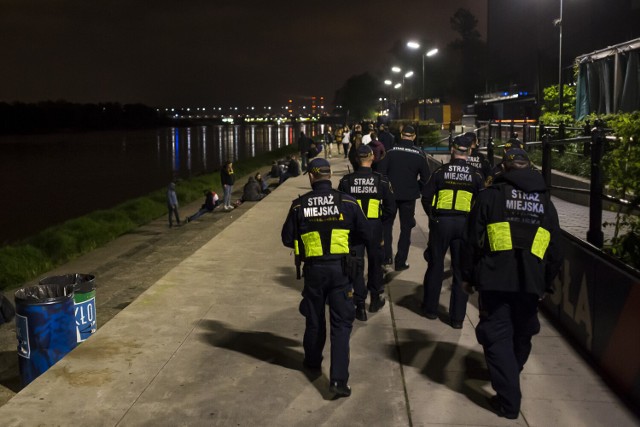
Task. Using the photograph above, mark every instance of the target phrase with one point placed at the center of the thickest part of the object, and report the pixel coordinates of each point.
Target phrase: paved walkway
(217, 341)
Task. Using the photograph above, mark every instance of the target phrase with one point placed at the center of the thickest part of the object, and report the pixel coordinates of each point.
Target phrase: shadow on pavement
(9, 371)
(412, 342)
(264, 346)
(286, 276)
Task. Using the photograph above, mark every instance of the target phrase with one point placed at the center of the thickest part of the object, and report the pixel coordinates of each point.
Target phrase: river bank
(127, 266)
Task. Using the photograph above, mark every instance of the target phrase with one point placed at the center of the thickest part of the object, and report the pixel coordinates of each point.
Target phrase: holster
(351, 265)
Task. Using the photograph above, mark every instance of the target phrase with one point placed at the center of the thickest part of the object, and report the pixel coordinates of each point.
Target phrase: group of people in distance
(500, 226)
(255, 189)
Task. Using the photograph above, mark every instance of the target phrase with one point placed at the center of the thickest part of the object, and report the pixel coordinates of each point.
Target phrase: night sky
(206, 52)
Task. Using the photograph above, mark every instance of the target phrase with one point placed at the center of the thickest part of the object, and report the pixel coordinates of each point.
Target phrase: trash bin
(84, 288)
(44, 327)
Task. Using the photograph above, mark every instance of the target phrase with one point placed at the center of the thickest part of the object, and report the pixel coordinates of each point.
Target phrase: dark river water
(48, 179)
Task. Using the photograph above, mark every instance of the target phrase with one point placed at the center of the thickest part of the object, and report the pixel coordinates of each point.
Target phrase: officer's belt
(312, 261)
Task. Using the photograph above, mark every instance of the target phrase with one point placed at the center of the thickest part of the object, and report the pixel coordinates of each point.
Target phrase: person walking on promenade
(337, 137)
(227, 179)
(322, 226)
(356, 142)
(304, 144)
(406, 167)
(172, 204)
(378, 151)
(477, 159)
(386, 137)
(374, 194)
(346, 140)
(447, 199)
(327, 139)
(499, 168)
(513, 242)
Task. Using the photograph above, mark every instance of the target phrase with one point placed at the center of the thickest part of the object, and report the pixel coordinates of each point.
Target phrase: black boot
(361, 313)
(377, 302)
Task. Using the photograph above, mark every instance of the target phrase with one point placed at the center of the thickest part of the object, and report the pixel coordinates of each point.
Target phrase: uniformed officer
(374, 194)
(499, 168)
(514, 238)
(406, 167)
(321, 226)
(447, 199)
(477, 159)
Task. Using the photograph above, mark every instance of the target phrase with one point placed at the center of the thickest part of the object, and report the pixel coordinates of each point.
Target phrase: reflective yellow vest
(500, 238)
(325, 233)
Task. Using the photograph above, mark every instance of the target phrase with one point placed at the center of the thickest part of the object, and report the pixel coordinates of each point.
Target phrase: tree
(467, 59)
(359, 96)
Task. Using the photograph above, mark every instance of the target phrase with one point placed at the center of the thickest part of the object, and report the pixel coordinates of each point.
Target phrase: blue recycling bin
(45, 327)
(84, 298)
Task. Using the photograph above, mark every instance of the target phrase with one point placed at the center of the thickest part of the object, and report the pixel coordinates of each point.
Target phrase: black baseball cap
(408, 130)
(462, 142)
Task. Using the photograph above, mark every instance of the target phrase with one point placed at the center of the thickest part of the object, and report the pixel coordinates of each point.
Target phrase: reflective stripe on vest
(296, 247)
(313, 243)
(540, 242)
(445, 200)
(499, 235)
(373, 208)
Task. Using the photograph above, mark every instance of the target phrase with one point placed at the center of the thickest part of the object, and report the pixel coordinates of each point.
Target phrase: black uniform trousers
(326, 283)
(407, 211)
(444, 234)
(375, 283)
(508, 321)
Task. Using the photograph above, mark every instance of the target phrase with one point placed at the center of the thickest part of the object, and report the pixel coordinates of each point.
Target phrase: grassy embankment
(59, 244)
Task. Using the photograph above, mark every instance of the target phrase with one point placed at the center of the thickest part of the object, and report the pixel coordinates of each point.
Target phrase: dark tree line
(50, 116)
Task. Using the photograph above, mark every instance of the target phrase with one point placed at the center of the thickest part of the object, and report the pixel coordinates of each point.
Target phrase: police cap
(513, 143)
(319, 165)
(515, 154)
(408, 130)
(364, 151)
(462, 142)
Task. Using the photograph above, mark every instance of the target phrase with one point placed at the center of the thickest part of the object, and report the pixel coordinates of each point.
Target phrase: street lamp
(558, 23)
(405, 76)
(431, 52)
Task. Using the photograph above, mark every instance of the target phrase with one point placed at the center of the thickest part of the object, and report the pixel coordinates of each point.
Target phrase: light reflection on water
(47, 179)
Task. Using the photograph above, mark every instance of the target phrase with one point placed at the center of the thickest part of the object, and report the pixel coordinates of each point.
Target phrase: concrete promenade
(217, 340)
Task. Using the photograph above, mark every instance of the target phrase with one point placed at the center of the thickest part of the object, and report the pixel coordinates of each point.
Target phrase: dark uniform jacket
(451, 189)
(372, 191)
(514, 236)
(324, 223)
(406, 167)
(479, 161)
(387, 139)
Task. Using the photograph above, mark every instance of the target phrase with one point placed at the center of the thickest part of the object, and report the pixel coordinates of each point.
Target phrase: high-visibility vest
(454, 198)
(366, 189)
(501, 238)
(519, 224)
(324, 231)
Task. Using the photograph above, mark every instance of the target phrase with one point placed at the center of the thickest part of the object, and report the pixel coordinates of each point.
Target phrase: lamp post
(405, 76)
(431, 52)
(558, 23)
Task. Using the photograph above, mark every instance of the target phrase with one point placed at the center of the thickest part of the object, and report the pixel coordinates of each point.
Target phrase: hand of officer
(468, 288)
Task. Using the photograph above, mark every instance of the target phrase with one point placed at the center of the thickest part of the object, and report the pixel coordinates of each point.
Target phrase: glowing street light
(429, 53)
(396, 69)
